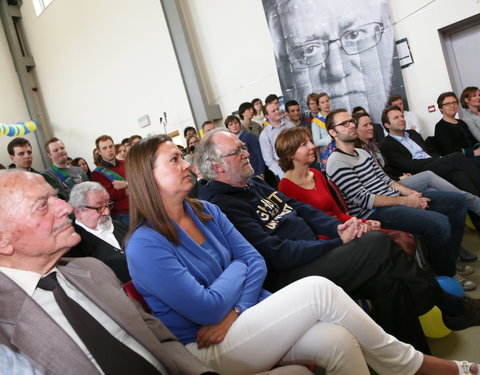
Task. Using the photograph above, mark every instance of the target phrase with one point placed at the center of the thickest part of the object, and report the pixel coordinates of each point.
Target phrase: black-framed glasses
(100, 209)
(449, 104)
(346, 123)
(237, 151)
(353, 42)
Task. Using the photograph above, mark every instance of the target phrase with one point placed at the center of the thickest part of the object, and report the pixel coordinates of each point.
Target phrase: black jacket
(93, 246)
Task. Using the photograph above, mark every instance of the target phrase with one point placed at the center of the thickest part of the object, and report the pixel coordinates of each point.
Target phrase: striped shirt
(359, 179)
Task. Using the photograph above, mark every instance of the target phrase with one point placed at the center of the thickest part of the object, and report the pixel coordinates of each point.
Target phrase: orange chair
(130, 290)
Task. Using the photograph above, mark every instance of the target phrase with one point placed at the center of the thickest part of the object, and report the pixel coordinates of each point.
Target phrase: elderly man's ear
(6, 247)
(218, 169)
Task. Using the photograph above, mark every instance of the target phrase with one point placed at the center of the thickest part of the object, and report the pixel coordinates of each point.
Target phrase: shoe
(467, 285)
(469, 318)
(466, 256)
(464, 269)
(464, 367)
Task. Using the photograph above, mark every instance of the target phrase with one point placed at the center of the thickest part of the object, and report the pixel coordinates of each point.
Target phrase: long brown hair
(146, 206)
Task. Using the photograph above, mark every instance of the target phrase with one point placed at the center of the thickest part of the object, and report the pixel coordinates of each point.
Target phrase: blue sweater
(185, 285)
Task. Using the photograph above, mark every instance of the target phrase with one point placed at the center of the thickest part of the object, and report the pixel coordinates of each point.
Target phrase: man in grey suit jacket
(35, 232)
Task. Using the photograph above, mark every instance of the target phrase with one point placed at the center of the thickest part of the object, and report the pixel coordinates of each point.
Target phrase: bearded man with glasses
(339, 47)
(102, 238)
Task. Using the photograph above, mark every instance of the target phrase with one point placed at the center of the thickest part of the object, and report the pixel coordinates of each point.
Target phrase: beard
(105, 224)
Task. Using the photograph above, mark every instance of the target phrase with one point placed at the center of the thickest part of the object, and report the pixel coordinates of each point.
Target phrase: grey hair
(78, 195)
(207, 154)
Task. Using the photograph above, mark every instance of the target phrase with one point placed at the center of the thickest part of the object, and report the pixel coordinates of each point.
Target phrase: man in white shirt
(102, 238)
(269, 135)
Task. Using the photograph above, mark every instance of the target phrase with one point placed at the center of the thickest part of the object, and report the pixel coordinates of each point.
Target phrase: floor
(463, 344)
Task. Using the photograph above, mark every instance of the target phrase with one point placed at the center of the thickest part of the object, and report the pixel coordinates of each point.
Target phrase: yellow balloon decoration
(432, 324)
(19, 129)
(469, 223)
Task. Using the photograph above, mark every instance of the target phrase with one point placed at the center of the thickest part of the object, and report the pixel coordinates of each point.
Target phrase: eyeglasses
(345, 123)
(100, 209)
(237, 151)
(352, 41)
(449, 104)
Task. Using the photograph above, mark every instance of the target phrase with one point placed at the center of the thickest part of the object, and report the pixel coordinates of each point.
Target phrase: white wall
(102, 65)
(428, 76)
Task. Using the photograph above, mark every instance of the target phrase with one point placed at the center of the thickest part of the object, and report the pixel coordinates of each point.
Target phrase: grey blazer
(26, 328)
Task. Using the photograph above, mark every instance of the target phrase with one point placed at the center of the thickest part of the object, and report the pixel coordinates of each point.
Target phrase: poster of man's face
(345, 48)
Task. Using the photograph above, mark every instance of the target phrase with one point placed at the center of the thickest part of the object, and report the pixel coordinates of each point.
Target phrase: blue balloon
(451, 286)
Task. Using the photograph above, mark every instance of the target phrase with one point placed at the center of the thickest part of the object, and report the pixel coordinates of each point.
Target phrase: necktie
(114, 357)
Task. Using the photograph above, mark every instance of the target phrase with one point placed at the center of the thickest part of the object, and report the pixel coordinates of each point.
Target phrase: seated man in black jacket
(297, 240)
(406, 152)
(102, 238)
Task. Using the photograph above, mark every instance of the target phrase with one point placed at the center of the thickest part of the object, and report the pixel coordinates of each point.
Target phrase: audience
(378, 129)
(60, 176)
(294, 114)
(80, 162)
(204, 280)
(258, 116)
(134, 139)
(325, 144)
(419, 181)
(312, 104)
(250, 141)
(297, 241)
(110, 173)
(296, 152)
(411, 118)
(120, 151)
(470, 101)
(453, 135)
(268, 136)
(207, 126)
(437, 217)
(407, 152)
(20, 152)
(192, 143)
(189, 130)
(101, 237)
(246, 113)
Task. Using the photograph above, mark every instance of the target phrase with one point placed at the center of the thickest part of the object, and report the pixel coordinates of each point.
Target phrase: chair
(130, 290)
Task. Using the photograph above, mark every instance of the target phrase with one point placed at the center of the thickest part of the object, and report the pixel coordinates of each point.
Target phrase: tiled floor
(463, 344)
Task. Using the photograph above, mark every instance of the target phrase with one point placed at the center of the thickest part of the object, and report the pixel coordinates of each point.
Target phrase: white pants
(311, 321)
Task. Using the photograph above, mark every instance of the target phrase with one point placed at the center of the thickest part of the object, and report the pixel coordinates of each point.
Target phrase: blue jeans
(441, 226)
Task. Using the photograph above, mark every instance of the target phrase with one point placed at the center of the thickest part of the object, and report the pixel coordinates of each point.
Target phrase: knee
(338, 345)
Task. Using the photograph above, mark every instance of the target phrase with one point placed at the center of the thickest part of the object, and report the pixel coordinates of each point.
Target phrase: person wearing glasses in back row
(335, 47)
(102, 237)
(452, 134)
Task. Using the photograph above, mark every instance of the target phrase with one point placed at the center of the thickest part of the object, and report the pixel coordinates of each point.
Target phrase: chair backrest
(337, 196)
(129, 288)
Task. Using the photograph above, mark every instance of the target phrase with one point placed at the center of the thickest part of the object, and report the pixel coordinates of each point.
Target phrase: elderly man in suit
(40, 293)
(102, 238)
